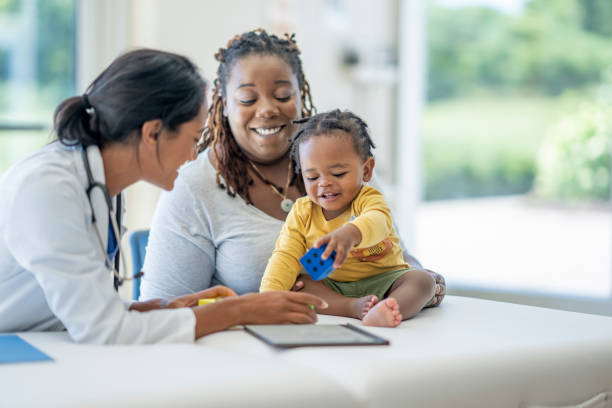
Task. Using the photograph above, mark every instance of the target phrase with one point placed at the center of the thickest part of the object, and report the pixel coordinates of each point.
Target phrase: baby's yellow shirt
(379, 250)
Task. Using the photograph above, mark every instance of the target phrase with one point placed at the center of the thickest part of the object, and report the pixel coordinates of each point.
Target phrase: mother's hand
(191, 300)
(440, 288)
(298, 285)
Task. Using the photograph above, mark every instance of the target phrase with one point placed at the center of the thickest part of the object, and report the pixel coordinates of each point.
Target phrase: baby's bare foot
(361, 306)
(385, 314)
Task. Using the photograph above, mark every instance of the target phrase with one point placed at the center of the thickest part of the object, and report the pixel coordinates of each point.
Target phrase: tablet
(302, 335)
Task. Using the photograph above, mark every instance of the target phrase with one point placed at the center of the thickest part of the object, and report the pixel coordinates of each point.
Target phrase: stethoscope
(115, 220)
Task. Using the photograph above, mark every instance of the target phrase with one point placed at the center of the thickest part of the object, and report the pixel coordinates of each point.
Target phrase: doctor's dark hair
(137, 86)
(232, 162)
(330, 123)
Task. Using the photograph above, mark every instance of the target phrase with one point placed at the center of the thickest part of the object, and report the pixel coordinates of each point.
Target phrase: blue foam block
(315, 266)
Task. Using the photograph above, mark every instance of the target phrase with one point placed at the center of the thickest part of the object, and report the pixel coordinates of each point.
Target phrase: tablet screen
(300, 335)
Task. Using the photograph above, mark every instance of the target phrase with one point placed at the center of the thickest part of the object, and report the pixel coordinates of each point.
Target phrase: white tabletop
(469, 352)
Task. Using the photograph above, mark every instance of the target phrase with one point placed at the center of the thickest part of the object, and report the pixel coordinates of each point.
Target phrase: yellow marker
(206, 301)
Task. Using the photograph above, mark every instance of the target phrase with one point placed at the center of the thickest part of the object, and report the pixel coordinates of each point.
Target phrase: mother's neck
(281, 161)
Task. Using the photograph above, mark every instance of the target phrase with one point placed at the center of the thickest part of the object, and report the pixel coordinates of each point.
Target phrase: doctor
(141, 119)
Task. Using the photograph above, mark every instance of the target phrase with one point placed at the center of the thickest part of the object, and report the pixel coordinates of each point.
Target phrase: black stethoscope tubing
(114, 219)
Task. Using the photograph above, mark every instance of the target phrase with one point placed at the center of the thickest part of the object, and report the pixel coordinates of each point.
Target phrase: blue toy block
(316, 267)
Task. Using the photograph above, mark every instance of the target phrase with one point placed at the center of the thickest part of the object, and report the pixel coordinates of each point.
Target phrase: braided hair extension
(232, 162)
(328, 122)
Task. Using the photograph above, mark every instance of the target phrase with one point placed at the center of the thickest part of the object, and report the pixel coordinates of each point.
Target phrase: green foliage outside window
(497, 84)
(574, 160)
(9, 6)
(54, 57)
(551, 47)
(56, 40)
(51, 49)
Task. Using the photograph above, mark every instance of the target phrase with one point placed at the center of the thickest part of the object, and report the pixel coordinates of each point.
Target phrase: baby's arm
(281, 272)
(284, 265)
(340, 240)
(369, 228)
(374, 219)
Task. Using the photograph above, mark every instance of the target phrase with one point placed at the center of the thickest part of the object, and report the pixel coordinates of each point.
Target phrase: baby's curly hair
(329, 122)
(232, 162)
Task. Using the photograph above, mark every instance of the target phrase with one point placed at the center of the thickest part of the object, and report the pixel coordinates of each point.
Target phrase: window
(37, 71)
(517, 141)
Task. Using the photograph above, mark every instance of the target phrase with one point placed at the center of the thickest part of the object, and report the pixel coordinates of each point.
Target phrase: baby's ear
(368, 169)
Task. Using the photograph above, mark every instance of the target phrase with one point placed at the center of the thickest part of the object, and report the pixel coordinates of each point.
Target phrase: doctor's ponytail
(73, 122)
(137, 86)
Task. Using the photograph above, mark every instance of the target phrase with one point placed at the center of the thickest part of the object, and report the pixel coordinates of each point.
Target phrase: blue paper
(13, 349)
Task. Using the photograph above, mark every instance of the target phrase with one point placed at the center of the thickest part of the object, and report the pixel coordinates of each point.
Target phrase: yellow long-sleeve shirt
(379, 250)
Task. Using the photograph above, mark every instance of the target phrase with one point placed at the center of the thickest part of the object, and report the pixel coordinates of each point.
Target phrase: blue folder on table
(13, 349)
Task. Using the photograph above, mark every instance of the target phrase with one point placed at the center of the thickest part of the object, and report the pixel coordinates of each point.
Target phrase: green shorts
(377, 285)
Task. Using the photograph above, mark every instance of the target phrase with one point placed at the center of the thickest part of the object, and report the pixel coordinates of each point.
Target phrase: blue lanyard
(112, 247)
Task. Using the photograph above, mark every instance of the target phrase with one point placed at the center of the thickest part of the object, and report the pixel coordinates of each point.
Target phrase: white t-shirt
(201, 237)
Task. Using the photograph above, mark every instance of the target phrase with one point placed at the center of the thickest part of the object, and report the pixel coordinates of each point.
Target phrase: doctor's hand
(191, 300)
(276, 307)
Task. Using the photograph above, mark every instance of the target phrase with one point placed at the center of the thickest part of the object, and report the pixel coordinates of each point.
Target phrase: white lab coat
(52, 268)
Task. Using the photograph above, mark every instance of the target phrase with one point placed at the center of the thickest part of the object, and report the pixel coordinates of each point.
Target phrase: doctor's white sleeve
(50, 234)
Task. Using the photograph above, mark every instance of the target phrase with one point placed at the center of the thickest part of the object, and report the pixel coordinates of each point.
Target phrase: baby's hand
(341, 241)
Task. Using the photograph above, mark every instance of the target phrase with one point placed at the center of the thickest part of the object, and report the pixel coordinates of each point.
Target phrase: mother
(220, 223)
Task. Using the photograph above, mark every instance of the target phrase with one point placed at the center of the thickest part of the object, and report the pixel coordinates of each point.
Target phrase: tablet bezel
(374, 339)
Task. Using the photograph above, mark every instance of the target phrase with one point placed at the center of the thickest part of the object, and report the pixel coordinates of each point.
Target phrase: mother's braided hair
(232, 162)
